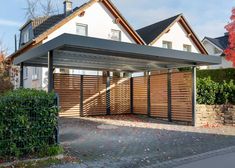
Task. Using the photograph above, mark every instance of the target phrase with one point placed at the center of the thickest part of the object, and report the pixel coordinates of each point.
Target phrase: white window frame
(168, 44)
(26, 73)
(119, 34)
(187, 48)
(25, 36)
(35, 74)
(84, 26)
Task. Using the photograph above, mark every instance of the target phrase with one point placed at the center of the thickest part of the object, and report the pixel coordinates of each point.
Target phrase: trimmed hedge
(28, 119)
(210, 92)
(218, 75)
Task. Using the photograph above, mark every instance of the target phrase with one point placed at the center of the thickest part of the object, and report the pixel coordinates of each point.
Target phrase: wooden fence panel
(159, 99)
(181, 94)
(94, 95)
(140, 95)
(120, 95)
(68, 88)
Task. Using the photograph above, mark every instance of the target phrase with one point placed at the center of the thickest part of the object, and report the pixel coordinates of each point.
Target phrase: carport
(163, 92)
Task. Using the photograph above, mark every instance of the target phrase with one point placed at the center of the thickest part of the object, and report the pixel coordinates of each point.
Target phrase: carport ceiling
(73, 51)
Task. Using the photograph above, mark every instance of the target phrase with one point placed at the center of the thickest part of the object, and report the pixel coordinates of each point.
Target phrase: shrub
(206, 91)
(28, 119)
(217, 75)
(211, 93)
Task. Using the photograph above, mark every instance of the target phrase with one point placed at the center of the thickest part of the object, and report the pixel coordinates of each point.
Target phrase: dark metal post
(108, 111)
(57, 103)
(148, 94)
(131, 94)
(21, 75)
(81, 96)
(194, 91)
(50, 72)
(169, 95)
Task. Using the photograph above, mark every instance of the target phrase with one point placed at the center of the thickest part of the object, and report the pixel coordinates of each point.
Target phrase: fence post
(169, 78)
(81, 97)
(148, 94)
(108, 111)
(194, 91)
(131, 94)
(57, 103)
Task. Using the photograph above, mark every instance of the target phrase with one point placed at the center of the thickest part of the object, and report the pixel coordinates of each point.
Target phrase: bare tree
(36, 8)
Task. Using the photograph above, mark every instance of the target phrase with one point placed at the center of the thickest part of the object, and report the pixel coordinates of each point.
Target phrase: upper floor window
(25, 36)
(167, 44)
(187, 48)
(81, 29)
(116, 35)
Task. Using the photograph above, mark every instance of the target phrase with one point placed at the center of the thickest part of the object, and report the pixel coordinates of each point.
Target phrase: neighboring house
(216, 46)
(172, 33)
(94, 18)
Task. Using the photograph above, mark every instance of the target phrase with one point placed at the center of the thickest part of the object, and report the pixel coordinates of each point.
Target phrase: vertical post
(81, 96)
(21, 75)
(131, 94)
(108, 111)
(194, 91)
(50, 71)
(148, 94)
(57, 103)
(169, 95)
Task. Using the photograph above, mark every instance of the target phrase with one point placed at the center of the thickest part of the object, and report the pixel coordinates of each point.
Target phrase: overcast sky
(207, 17)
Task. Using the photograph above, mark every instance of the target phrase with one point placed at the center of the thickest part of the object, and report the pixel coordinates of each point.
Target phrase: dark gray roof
(151, 32)
(42, 24)
(221, 42)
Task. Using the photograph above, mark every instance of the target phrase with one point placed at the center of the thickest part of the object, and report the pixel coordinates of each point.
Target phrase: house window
(167, 44)
(82, 29)
(26, 73)
(187, 48)
(25, 36)
(115, 35)
(35, 73)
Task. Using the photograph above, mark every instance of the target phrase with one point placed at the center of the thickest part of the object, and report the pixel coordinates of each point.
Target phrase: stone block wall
(215, 115)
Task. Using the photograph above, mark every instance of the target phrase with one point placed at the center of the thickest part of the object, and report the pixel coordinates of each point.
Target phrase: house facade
(94, 19)
(216, 46)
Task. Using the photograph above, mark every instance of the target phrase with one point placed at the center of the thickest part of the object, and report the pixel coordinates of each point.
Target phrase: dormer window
(25, 36)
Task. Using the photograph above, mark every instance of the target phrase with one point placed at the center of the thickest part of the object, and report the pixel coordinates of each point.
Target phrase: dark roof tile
(151, 32)
(221, 42)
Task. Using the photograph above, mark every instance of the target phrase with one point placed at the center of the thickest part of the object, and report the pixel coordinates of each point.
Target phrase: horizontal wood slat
(68, 88)
(140, 95)
(94, 95)
(159, 100)
(119, 95)
(181, 94)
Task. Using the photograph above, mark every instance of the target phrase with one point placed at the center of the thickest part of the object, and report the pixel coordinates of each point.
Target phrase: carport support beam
(50, 71)
(194, 91)
(169, 95)
(21, 75)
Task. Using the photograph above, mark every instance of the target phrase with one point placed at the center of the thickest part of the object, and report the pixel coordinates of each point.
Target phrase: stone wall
(215, 115)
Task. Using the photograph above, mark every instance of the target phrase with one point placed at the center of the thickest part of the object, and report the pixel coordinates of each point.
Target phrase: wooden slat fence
(120, 95)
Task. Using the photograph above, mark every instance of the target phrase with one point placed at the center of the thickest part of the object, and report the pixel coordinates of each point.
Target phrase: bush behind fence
(28, 120)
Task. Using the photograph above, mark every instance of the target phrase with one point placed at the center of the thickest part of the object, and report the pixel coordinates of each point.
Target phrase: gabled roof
(149, 33)
(221, 42)
(153, 32)
(44, 26)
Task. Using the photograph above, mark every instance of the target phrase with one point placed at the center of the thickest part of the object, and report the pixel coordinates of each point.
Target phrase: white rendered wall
(211, 51)
(178, 37)
(100, 22)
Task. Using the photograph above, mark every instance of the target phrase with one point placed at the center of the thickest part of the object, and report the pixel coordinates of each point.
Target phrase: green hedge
(211, 92)
(218, 75)
(28, 119)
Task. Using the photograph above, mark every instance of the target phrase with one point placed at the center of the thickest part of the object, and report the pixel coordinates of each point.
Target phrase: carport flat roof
(73, 51)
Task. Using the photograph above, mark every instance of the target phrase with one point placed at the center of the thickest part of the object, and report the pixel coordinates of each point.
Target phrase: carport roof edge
(69, 42)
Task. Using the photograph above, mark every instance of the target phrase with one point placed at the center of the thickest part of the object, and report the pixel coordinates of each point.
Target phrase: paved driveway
(134, 141)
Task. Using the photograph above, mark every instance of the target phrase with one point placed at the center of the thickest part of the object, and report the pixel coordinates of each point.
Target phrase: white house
(99, 19)
(216, 46)
(94, 18)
